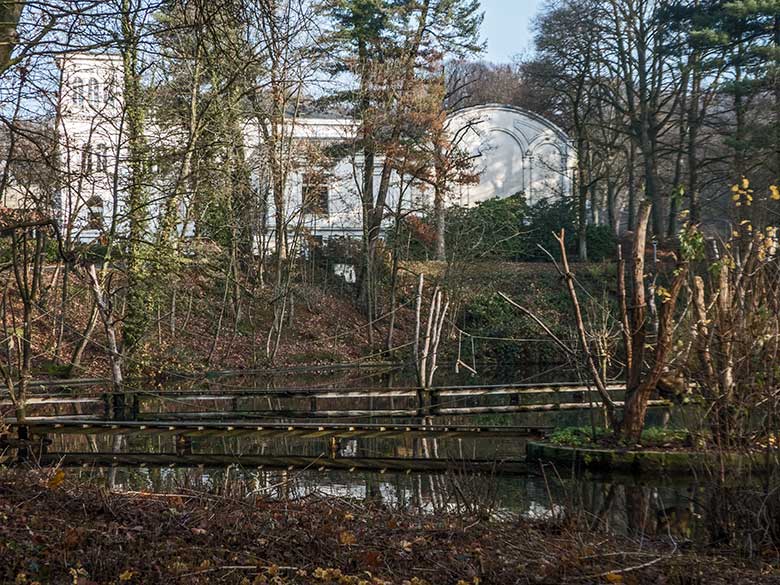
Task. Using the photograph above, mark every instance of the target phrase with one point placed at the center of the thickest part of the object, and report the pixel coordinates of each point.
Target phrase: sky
(507, 27)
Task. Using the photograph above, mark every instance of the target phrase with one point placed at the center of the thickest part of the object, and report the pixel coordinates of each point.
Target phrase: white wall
(515, 151)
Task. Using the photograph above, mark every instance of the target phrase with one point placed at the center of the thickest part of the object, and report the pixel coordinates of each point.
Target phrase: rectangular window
(314, 194)
(95, 213)
(87, 159)
(102, 158)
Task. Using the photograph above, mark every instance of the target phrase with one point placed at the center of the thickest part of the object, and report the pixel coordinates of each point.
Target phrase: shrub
(584, 437)
(505, 229)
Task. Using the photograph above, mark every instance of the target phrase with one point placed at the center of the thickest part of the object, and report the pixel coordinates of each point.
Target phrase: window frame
(320, 205)
(94, 92)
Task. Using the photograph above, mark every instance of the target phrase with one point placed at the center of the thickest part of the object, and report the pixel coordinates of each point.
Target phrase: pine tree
(383, 44)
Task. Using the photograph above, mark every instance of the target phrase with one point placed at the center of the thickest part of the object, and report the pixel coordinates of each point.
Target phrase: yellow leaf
(56, 480)
(774, 192)
(347, 537)
(126, 576)
(745, 185)
(614, 578)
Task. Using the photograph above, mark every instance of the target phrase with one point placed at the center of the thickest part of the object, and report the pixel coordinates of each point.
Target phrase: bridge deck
(294, 429)
(227, 393)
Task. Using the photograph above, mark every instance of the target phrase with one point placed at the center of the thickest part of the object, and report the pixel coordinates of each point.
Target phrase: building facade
(511, 150)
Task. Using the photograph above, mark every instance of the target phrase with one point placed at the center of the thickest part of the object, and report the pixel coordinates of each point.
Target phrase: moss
(642, 462)
(651, 437)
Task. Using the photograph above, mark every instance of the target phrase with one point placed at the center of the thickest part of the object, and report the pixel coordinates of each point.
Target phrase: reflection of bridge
(234, 412)
(289, 462)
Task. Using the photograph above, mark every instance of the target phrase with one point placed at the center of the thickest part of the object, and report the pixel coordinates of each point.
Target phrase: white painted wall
(515, 152)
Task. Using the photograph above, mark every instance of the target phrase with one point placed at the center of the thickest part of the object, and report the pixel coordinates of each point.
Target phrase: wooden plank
(281, 413)
(60, 383)
(299, 429)
(535, 407)
(302, 393)
(385, 413)
(12, 422)
(36, 401)
(334, 393)
(552, 389)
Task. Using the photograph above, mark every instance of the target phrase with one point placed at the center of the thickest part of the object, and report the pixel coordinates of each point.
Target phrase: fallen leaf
(371, 558)
(73, 537)
(347, 537)
(614, 578)
(126, 576)
(56, 480)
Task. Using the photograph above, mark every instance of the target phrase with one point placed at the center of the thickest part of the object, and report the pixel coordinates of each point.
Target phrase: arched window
(78, 91)
(94, 92)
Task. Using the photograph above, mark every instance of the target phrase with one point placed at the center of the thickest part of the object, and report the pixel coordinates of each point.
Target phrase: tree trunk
(10, 13)
(582, 203)
(695, 116)
(439, 219)
(631, 164)
(138, 304)
(638, 398)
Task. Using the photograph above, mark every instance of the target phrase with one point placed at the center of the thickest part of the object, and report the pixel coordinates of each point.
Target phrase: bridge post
(425, 400)
(107, 406)
(123, 406)
(22, 449)
(135, 406)
(118, 406)
(183, 445)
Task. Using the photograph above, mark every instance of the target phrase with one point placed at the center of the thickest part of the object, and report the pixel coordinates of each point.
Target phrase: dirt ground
(54, 531)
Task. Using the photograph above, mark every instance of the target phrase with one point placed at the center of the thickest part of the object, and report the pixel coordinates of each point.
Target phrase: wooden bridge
(186, 414)
(324, 403)
(300, 430)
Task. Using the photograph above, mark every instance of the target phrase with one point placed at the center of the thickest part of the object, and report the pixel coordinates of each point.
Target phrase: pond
(676, 508)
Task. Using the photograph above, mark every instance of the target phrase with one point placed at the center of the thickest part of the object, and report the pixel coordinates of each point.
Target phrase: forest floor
(200, 326)
(56, 531)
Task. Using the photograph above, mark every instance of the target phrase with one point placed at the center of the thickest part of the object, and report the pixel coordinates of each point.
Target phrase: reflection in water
(663, 508)
(745, 516)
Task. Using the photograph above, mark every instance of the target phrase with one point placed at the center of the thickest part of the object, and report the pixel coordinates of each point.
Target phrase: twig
(541, 324)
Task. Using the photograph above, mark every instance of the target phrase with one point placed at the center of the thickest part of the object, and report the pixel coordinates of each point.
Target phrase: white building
(514, 151)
